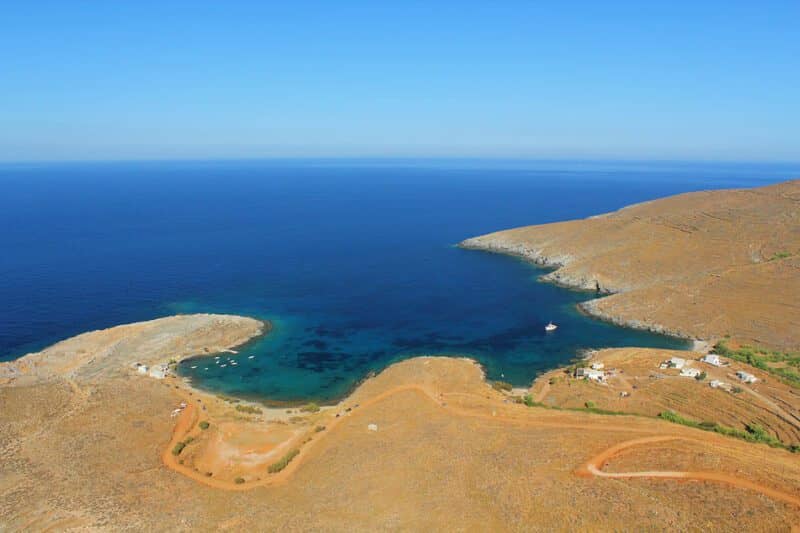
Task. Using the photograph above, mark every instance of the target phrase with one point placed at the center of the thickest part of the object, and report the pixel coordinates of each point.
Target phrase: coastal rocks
(594, 309)
(488, 243)
(561, 276)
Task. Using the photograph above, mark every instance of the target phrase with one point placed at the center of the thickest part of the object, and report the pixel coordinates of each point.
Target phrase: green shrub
(528, 400)
(701, 376)
(178, 448)
(249, 409)
(283, 462)
(310, 408)
(502, 386)
(754, 433)
(319, 428)
(780, 255)
(204, 424)
(737, 390)
(589, 405)
(238, 480)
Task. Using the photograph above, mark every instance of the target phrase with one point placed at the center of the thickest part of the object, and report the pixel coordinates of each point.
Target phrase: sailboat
(550, 326)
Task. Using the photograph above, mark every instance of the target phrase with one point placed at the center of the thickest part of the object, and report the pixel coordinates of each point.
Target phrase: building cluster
(711, 359)
(155, 371)
(594, 373)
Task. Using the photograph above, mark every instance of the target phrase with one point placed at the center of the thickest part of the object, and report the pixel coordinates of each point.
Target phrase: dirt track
(188, 420)
(594, 467)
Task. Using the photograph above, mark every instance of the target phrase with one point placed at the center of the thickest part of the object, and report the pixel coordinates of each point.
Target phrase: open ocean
(352, 260)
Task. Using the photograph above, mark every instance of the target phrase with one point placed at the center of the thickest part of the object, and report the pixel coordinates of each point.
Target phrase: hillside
(701, 265)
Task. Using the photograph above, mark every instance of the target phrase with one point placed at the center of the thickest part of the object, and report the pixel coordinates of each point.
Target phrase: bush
(238, 480)
(319, 428)
(754, 433)
(502, 386)
(178, 448)
(283, 462)
(737, 390)
(528, 400)
(249, 409)
(589, 405)
(204, 424)
(759, 359)
(701, 376)
(310, 408)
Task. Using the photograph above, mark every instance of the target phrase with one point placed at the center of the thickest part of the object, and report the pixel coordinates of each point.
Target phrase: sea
(353, 261)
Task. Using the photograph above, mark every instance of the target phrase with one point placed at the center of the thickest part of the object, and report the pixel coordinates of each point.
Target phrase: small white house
(712, 359)
(677, 362)
(589, 373)
(598, 366)
(689, 372)
(372, 427)
(747, 377)
(158, 372)
(142, 369)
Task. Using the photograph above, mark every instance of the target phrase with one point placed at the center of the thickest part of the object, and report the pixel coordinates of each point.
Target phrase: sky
(210, 79)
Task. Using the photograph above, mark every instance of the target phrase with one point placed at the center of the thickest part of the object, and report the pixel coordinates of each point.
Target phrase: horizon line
(403, 158)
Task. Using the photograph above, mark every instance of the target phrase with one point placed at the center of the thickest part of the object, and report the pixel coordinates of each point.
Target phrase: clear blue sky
(170, 79)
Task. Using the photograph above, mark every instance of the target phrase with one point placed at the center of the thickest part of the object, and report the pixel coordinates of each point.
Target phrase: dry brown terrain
(92, 450)
(89, 443)
(700, 265)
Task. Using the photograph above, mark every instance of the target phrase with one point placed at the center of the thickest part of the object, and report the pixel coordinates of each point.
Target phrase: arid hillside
(427, 444)
(702, 265)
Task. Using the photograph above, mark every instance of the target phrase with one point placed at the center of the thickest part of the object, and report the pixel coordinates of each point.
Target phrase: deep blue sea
(353, 261)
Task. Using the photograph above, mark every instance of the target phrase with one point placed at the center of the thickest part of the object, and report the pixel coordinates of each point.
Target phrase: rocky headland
(701, 265)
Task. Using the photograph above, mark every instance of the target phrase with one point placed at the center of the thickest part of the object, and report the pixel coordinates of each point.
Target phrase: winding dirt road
(189, 419)
(594, 467)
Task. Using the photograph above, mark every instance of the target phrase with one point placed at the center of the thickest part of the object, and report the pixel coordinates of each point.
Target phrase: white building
(142, 369)
(712, 359)
(158, 372)
(598, 366)
(677, 362)
(690, 372)
(746, 376)
(589, 373)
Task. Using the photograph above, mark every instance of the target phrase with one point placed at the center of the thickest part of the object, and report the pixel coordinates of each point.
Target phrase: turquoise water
(353, 261)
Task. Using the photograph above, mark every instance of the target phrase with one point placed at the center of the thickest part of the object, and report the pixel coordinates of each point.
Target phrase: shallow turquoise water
(353, 261)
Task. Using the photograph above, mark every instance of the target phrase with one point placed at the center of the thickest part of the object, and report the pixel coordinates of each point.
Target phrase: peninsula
(701, 265)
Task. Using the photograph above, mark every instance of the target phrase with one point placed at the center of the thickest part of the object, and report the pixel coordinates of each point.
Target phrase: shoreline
(554, 277)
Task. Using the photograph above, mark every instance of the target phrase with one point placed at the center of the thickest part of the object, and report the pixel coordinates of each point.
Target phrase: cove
(353, 261)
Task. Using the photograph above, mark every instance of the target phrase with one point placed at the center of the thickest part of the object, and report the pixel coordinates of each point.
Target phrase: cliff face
(702, 264)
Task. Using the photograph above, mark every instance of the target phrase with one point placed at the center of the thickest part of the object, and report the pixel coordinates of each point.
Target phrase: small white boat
(550, 327)
(194, 366)
(252, 357)
(222, 366)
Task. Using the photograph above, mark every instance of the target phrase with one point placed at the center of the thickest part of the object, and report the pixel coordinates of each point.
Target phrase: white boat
(252, 357)
(550, 327)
